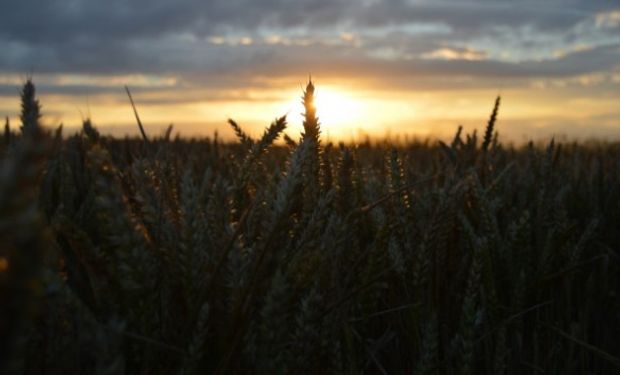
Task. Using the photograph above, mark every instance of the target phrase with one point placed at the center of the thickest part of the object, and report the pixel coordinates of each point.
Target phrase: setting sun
(337, 110)
(334, 107)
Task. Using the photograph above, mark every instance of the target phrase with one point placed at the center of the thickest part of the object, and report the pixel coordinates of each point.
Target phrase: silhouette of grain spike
(457, 141)
(488, 133)
(22, 234)
(168, 132)
(244, 138)
(31, 109)
(311, 122)
(135, 112)
(91, 132)
(290, 142)
(7, 131)
(312, 162)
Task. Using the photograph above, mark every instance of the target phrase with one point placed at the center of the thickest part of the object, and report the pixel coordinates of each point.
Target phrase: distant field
(163, 255)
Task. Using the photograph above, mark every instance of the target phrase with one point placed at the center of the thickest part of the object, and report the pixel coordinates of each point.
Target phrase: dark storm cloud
(164, 36)
(53, 21)
(478, 16)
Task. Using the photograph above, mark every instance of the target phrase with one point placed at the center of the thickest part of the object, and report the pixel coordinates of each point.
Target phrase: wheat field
(163, 255)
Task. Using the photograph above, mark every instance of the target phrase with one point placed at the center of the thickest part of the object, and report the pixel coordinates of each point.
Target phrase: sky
(399, 68)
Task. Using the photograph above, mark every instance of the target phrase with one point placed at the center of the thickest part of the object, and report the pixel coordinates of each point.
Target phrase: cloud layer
(117, 36)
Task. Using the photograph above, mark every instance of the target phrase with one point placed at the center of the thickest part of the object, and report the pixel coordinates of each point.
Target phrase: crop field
(285, 254)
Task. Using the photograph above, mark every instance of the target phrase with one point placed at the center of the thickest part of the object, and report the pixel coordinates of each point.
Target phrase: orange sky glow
(348, 111)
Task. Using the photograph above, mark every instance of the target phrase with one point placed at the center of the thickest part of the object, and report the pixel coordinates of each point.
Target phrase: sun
(335, 108)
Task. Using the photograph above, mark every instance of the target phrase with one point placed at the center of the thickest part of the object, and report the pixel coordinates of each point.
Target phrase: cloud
(455, 54)
(610, 19)
(234, 43)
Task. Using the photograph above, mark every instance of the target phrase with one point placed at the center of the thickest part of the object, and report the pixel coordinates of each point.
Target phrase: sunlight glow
(335, 109)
